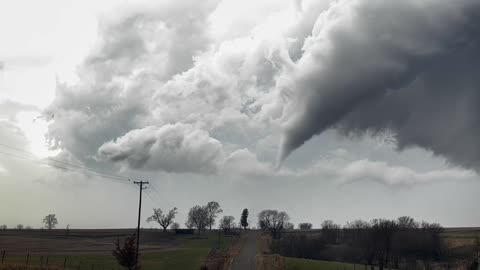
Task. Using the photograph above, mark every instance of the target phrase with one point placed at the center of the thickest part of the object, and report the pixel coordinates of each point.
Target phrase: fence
(85, 262)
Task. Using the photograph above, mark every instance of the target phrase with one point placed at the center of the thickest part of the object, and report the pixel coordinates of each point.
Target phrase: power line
(66, 163)
(155, 190)
(149, 196)
(63, 168)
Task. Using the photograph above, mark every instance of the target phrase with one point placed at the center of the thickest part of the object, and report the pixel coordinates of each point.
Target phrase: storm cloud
(355, 66)
(409, 67)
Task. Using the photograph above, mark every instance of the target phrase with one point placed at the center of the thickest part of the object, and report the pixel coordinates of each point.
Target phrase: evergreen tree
(244, 218)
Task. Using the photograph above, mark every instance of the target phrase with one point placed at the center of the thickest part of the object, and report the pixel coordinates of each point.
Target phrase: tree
(175, 226)
(330, 231)
(432, 244)
(405, 242)
(50, 221)
(213, 210)
(126, 256)
(329, 225)
(288, 226)
(3, 227)
(305, 226)
(359, 235)
(406, 222)
(163, 219)
(227, 223)
(244, 219)
(197, 218)
(273, 221)
(19, 227)
(382, 232)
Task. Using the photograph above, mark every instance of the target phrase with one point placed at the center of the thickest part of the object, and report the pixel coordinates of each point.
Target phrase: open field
(91, 249)
(461, 237)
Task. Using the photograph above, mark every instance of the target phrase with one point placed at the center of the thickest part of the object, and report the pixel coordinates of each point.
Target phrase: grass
(26, 267)
(305, 264)
(190, 255)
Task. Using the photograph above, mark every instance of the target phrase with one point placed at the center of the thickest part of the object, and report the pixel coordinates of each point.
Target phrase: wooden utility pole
(140, 184)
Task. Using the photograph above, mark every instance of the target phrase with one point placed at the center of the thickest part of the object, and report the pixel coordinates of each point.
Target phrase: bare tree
(329, 225)
(227, 223)
(305, 226)
(288, 226)
(175, 226)
(406, 222)
(432, 244)
(50, 221)
(330, 231)
(3, 227)
(383, 231)
(213, 210)
(404, 239)
(163, 219)
(359, 234)
(67, 231)
(197, 218)
(273, 221)
(19, 227)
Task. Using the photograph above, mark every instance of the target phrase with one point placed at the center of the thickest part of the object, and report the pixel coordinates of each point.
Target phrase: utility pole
(140, 184)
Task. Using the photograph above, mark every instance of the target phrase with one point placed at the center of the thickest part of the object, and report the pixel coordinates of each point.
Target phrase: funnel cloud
(406, 67)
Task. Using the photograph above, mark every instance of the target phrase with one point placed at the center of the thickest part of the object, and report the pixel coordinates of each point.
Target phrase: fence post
(93, 267)
(41, 261)
(28, 257)
(46, 263)
(65, 263)
(3, 255)
(79, 265)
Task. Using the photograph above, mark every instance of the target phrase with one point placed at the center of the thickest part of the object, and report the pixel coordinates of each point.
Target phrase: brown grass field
(81, 242)
(461, 237)
(92, 249)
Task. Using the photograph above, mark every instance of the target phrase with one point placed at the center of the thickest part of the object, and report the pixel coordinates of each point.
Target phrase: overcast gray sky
(324, 109)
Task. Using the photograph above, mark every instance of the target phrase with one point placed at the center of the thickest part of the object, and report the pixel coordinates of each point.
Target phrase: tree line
(50, 221)
(381, 242)
(199, 218)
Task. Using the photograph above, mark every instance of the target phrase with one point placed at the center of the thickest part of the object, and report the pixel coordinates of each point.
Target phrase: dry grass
(459, 242)
(270, 262)
(264, 243)
(216, 260)
(233, 251)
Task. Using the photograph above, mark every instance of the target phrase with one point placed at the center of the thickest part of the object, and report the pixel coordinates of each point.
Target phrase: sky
(342, 110)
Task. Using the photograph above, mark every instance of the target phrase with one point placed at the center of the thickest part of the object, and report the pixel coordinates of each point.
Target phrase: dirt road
(246, 259)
